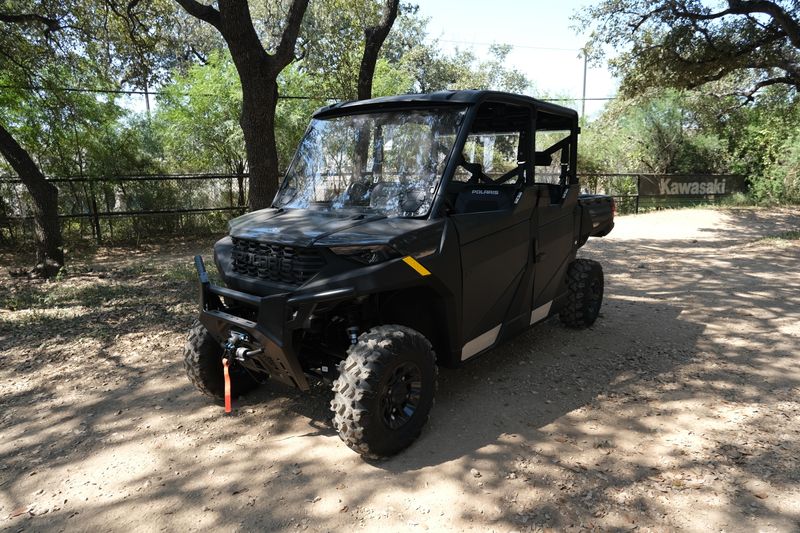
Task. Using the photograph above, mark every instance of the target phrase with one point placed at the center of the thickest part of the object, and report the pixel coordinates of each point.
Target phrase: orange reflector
(227, 385)
(413, 263)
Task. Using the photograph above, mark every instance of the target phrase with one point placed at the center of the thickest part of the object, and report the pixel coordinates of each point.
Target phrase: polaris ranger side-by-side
(409, 232)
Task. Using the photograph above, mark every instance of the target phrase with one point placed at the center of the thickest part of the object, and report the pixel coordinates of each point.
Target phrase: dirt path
(679, 409)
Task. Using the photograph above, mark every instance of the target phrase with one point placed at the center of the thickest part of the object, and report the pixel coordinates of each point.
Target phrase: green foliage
(80, 43)
(661, 133)
(434, 71)
(334, 33)
(744, 61)
(197, 120)
(333, 42)
(694, 132)
(686, 44)
(389, 79)
(761, 140)
(77, 134)
(781, 182)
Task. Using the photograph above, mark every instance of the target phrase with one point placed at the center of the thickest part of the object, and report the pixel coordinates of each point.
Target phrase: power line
(134, 91)
(281, 96)
(527, 47)
(603, 99)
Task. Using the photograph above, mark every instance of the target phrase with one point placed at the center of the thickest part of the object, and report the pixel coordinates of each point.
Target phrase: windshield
(387, 162)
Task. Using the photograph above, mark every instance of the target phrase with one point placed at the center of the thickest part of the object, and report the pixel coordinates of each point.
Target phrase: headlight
(367, 255)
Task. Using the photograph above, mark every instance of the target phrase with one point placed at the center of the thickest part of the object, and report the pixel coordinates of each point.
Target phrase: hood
(305, 227)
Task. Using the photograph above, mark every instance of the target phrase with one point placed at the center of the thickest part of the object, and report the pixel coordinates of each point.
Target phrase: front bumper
(273, 320)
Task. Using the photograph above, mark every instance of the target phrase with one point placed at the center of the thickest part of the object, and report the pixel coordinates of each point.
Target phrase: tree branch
(691, 15)
(748, 7)
(374, 36)
(781, 80)
(778, 14)
(284, 53)
(22, 18)
(201, 11)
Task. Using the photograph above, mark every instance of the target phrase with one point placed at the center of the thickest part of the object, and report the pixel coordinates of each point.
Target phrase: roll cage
(489, 114)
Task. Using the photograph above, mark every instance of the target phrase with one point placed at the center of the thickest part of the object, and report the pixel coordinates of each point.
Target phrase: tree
(374, 36)
(658, 133)
(258, 73)
(343, 44)
(196, 118)
(434, 71)
(49, 246)
(45, 45)
(687, 43)
(26, 35)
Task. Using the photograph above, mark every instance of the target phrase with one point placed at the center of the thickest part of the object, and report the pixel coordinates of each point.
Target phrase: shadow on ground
(680, 402)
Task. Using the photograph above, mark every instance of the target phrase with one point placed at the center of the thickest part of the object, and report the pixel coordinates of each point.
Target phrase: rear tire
(385, 391)
(584, 293)
(202, 359)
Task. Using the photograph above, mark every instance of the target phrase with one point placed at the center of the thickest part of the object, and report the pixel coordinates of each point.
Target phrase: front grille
(275, 262)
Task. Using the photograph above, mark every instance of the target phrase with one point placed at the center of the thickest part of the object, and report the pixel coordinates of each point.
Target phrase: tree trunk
(373, 41)
(258, 72)
(259, 103)
(48, 243)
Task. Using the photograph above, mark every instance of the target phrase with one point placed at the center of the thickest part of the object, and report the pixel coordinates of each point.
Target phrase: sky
(546, 47)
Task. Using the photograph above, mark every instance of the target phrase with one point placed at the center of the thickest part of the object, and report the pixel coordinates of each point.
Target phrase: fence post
(95, 216)
(638, 188)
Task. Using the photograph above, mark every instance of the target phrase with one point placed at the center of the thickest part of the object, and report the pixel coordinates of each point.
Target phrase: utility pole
(585, 52)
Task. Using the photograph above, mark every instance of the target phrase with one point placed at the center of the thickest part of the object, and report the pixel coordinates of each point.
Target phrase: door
(554, 177)
(494, 255)
(492, 206)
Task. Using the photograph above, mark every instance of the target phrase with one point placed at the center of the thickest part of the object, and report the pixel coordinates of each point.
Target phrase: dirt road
(678, 410)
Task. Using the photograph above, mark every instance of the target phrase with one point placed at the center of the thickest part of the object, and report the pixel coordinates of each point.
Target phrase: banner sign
(691, 185)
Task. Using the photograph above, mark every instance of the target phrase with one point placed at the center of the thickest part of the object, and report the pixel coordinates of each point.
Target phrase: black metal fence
(121, 208)
(128, 207)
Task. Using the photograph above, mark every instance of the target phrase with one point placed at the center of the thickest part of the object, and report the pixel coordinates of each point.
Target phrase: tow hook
(234, 341)
(234, 349)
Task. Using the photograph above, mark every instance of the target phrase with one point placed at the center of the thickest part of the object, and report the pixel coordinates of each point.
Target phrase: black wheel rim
(401, 395)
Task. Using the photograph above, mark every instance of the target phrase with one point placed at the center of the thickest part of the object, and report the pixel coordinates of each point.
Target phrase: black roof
(445, 98)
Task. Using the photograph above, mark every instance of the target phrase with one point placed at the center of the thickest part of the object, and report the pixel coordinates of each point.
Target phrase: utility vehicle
(409, 232)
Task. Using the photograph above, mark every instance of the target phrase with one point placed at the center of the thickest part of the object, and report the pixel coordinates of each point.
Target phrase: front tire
(584, 293)
(202, 359)
(385, 391)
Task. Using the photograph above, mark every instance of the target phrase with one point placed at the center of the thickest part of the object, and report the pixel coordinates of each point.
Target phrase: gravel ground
(677, 410)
